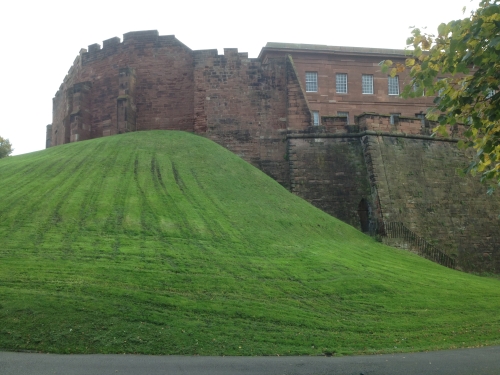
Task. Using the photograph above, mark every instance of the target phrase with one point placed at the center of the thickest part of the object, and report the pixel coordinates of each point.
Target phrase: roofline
(324, 49)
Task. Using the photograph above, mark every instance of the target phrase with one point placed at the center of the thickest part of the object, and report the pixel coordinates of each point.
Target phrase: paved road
(480, 361)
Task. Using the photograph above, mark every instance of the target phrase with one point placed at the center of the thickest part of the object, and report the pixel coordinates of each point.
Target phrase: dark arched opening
(364, 217)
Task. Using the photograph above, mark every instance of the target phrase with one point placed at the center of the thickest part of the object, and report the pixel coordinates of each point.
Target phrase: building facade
(323, 121)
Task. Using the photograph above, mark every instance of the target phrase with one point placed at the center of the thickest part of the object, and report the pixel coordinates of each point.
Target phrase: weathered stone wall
(398, 173)
(241, 104)
(298, 110)
(331, 174)
(404, 125)
(417, 184)
(48, 136)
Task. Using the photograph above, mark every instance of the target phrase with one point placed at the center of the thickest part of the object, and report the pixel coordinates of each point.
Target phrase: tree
(461, 67)
(5, 148)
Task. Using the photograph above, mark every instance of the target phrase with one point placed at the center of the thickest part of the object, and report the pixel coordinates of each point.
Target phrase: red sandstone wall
(298, 110)
(241, 104)
(159, 95)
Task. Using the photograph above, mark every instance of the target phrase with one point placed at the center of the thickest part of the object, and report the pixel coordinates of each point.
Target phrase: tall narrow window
(311, 82)
(315, 118)
(421, 116)
(341, 83)
(344, 114)
(395, 118)
(393, 85)
(367, 83)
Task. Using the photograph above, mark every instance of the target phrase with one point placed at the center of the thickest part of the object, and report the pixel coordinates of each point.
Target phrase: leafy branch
(461, 68)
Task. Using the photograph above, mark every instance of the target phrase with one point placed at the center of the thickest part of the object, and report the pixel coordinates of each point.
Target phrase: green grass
(165, 243)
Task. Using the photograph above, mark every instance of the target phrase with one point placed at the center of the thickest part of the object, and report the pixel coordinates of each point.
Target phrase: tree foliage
(5, 147)
(461, 67)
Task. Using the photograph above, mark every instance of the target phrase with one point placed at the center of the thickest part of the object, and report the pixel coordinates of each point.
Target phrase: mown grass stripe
(164, 243)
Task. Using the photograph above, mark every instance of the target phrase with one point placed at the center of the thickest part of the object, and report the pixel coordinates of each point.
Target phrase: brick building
(323, 121)
(347, 81)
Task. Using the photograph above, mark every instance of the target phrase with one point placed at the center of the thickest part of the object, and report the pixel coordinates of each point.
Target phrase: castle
(323, 121)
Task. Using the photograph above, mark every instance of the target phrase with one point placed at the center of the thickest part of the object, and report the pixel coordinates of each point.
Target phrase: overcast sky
(40, 39)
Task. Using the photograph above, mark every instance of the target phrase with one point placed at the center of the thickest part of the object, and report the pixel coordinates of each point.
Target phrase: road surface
(477, 361)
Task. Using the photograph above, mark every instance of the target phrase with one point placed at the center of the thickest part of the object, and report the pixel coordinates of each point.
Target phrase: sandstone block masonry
(321, 120)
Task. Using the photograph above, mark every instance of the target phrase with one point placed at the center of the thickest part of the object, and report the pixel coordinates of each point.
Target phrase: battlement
(228, 52)
(146, 36)
(135, 39)
(112, 42)
(94, 48)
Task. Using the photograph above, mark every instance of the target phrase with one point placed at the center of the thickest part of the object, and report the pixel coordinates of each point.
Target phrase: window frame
(415, 88)
(343, 114)
(394, 120)
(389, 85)
(363, 84)
(337, 81)
(421, 116)
(316, 120)
(313, 82)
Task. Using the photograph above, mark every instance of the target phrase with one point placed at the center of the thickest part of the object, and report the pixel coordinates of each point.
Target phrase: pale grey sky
(40, 39)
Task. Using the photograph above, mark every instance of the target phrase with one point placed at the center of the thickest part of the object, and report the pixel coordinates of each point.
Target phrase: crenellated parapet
(149, 39)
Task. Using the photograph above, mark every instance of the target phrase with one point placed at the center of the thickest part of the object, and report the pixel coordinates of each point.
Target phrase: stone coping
(371, 132)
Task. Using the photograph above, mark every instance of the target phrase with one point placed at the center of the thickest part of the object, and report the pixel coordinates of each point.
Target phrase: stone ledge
(373, 133)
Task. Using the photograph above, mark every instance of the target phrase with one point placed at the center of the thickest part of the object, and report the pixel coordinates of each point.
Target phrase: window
(395, 118)
(315, 118)
(341, 83)
(393, 85)
(367, 83)
(421, 116)
(344, 114)
(416, 89)
(311, 82)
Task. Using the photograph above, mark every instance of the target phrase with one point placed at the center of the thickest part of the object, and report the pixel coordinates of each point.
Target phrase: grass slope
(165, 243)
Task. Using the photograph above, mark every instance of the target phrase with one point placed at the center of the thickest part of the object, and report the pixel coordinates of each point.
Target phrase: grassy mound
(165, 243)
